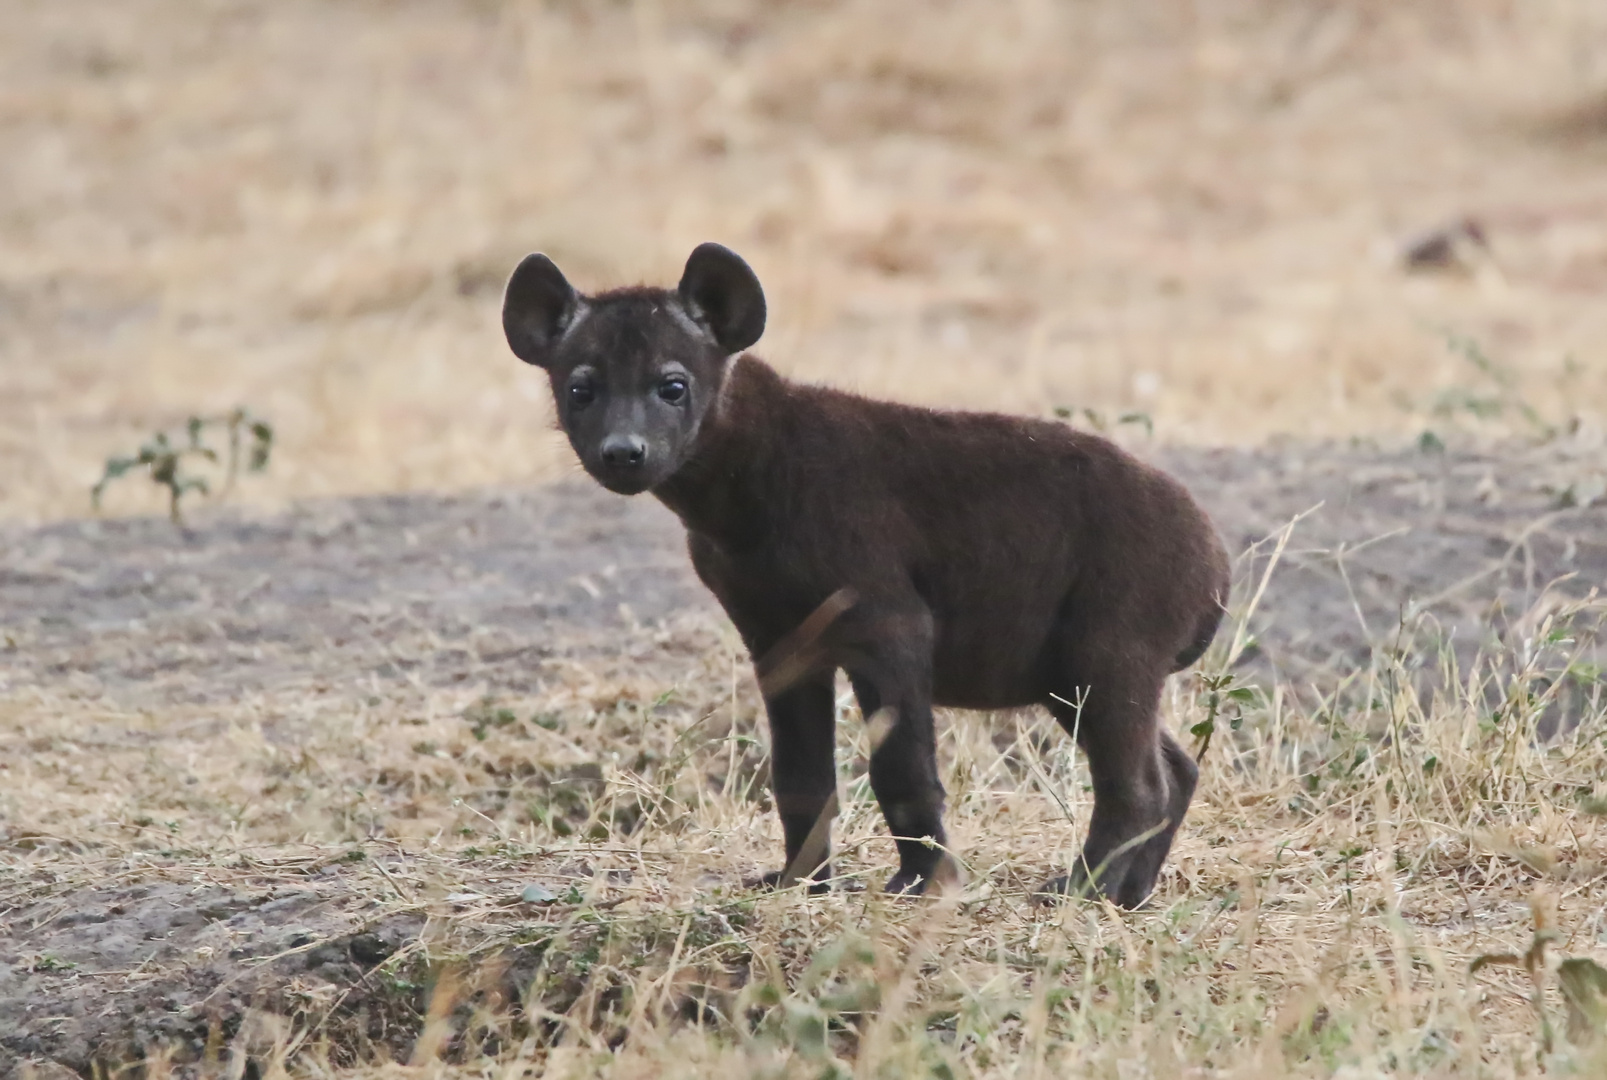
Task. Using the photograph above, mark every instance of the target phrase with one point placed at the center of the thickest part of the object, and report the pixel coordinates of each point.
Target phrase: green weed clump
(248, 441)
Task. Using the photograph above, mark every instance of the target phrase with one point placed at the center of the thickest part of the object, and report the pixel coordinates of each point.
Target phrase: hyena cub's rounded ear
(723, 294)
(538, 306)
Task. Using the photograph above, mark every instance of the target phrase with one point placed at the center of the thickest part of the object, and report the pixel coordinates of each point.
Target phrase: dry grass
(1347, 859)
(1187, 208)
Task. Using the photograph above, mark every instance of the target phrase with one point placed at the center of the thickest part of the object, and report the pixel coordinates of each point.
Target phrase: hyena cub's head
(635, 371)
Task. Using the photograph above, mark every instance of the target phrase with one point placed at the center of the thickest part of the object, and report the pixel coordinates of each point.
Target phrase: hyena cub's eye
(581, 394)
(672, 389)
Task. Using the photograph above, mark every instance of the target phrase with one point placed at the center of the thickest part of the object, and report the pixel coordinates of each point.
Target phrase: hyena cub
(939, 558)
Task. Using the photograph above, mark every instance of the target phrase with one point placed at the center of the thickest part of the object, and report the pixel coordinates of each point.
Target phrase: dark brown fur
(970, 559)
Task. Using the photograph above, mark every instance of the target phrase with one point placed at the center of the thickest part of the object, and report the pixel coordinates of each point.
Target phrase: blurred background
(1191, 210)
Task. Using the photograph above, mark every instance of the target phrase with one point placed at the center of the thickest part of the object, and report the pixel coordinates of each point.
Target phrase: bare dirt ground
(498, 592)
(500, 583)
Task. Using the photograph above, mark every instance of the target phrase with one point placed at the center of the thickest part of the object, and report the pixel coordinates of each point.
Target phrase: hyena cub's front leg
(904, 776)
(803, 776)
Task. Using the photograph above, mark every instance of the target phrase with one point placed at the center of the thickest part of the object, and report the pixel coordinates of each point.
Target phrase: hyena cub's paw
(1077, 886)
(819, 886)
(944, 876)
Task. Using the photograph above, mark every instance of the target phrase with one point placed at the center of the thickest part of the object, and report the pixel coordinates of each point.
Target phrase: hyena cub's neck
(717, 492)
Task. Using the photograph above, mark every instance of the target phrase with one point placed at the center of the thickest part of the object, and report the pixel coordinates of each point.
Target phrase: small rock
(1584, 491)
(1449, 246)
(370, 949)
(536, 893)
(323, 956)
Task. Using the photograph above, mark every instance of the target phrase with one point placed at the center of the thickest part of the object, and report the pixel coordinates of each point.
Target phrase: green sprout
(1223, 700)
(164, 456)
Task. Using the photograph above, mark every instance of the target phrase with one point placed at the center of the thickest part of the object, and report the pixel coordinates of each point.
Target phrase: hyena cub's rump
(948, 558)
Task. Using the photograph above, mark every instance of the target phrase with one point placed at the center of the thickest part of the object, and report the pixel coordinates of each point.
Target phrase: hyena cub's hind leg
(1143, 782)
(1182, 776)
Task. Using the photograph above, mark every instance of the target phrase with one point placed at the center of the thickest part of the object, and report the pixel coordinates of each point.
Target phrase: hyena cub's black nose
(624, 451)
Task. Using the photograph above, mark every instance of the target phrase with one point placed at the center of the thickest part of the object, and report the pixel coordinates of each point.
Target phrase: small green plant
(1223, 701)
(1099, 422)
(50, 963)
(837, 994)
(485, 714)
(164, 456)
(1503, 398)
